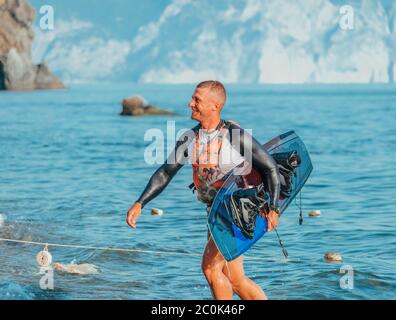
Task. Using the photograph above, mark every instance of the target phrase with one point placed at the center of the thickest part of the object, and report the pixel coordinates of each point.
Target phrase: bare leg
(244, 287)
(212, 267)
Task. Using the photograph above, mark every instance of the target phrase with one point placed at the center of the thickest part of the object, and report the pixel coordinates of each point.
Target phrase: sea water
(71, 166)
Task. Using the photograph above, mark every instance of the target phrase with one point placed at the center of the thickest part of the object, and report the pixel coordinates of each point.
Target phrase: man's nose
(191, 104)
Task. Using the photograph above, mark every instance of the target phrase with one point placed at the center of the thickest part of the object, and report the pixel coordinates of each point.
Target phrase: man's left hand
(273, 220)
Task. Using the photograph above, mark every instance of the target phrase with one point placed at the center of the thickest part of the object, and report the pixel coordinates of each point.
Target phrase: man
(211, 140)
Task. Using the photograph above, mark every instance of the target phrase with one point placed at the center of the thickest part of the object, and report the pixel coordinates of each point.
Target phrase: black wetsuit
(262, 161)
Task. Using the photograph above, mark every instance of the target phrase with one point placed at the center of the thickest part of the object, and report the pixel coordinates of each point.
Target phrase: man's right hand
(133, 214)
(273, 220)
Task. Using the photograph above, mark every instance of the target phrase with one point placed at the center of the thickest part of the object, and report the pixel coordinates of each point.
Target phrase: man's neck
(210, 124)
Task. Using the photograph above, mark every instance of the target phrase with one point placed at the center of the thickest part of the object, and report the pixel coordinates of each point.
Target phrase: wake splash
(3, 219)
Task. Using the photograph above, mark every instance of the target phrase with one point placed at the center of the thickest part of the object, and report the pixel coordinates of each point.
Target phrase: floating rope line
(98, 248)
(46, 244)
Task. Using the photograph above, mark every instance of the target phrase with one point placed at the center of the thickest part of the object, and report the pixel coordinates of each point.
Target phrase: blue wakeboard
(227, 236)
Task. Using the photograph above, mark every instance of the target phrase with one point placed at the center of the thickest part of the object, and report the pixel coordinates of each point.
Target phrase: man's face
(202, 104)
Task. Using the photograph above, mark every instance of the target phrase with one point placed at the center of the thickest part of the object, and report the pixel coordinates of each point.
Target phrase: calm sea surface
(70, 167)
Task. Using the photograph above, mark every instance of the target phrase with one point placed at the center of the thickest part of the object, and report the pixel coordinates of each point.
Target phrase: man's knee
(237, 282)
(206, 270)
(211, 272)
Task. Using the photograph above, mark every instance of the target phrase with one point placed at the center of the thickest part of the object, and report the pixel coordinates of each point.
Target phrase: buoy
(333, 257)
(315, 213)
(44, 258)
(157, 212)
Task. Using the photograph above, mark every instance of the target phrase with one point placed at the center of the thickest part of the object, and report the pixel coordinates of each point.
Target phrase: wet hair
(217, 88)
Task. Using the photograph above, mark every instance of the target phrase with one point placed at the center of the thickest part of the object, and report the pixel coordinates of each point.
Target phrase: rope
(98, 248)
(115, 249)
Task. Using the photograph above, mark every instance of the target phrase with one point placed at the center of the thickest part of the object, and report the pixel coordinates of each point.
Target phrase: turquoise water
(70, 167)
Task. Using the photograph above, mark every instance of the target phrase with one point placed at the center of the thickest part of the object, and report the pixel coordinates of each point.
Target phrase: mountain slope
(248, 41)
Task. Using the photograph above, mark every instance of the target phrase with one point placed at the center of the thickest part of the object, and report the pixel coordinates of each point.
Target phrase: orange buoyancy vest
(208, 177)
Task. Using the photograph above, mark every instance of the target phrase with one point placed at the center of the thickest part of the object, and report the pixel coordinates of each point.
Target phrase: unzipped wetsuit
(262, 161)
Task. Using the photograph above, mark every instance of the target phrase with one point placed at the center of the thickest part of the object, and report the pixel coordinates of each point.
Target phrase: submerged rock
(136, 106)
(17, 71)
(152, 110)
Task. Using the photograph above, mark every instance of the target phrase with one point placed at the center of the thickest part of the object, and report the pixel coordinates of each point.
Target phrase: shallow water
(71, 167)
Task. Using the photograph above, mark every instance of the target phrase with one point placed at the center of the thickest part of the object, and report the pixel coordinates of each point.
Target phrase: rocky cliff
(17, 72)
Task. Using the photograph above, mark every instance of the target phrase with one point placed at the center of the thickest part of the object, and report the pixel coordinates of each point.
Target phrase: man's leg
(212, 267)
(245, 288)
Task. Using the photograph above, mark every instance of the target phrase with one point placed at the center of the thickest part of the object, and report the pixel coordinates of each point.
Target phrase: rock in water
(157, 212)
(136, 106)
(152, 110)
(46, 80)
(133, 106)
(17, 71)
(315, 213)
(333, 257)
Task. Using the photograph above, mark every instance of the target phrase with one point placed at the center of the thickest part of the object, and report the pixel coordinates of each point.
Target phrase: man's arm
(163, 176)
(158, 182)
(160, 179)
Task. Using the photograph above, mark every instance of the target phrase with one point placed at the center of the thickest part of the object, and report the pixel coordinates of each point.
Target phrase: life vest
(207, 175)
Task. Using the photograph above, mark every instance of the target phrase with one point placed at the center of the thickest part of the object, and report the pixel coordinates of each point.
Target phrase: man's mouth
(194, 114)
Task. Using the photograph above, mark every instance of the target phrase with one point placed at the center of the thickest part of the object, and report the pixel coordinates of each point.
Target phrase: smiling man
(213, 157)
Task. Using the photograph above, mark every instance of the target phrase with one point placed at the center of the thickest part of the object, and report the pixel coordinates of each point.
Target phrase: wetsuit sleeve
(163, 176)
(262, 161)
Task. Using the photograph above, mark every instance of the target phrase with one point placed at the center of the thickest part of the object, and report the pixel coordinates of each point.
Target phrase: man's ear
(217, 106)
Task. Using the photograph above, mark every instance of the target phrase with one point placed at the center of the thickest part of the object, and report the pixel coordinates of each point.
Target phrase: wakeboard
(228, 236)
